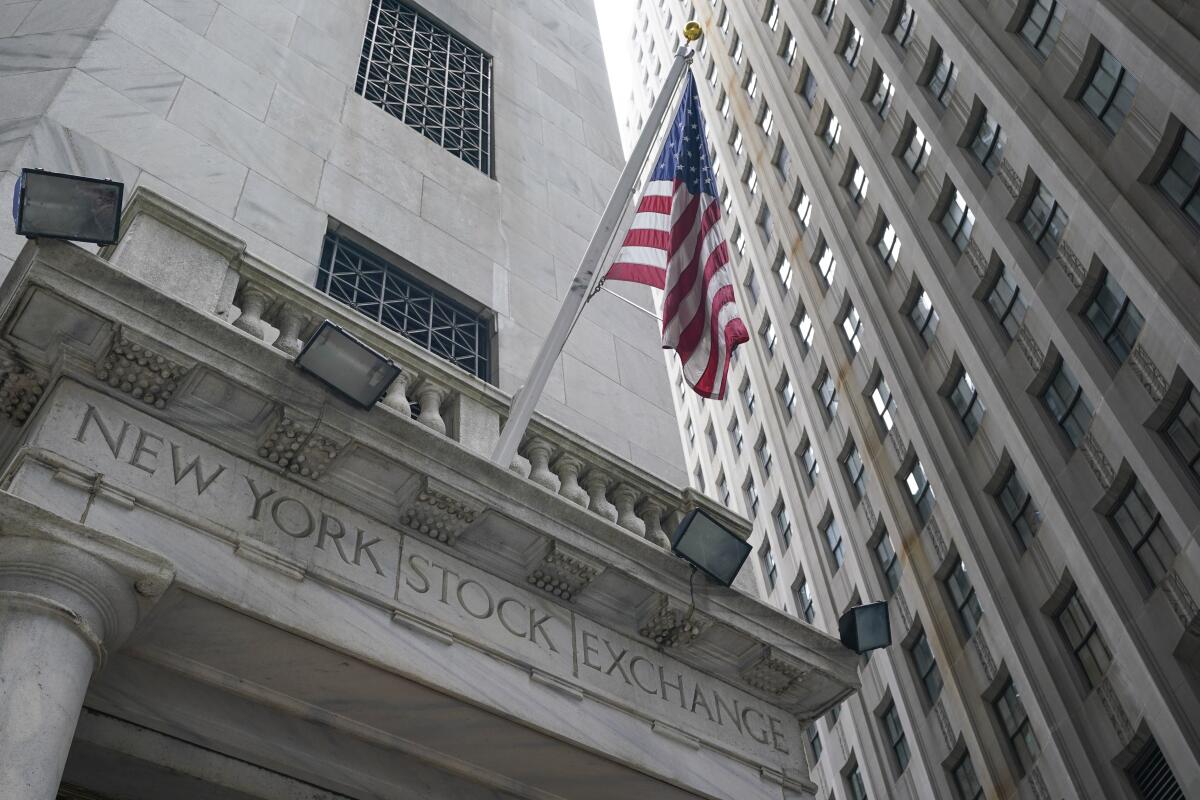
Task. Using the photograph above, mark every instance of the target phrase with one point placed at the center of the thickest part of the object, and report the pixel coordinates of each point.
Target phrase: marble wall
(244, 111)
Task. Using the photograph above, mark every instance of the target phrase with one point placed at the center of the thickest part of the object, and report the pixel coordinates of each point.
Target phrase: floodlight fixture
(346, 364)
(54, 205)
(710, 546)
(866, 627)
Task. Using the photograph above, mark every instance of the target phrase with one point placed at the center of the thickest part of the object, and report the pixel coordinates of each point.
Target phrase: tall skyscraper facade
(966, 240)
(237, 559)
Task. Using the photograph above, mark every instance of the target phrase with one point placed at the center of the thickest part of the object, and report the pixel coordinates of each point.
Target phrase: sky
(616, 19)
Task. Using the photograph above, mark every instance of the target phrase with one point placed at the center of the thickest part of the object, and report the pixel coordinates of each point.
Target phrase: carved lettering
(761, 735)
(332, 529)
(360, 547)
(283, 520)
(536, 627)
(633, 663)
(504, 602)
(259, 497)
(734, 713)
(777, 738)
(194, 467)
(677, 686)
(617, 658)
(140, 449)
(589, 651)
(699, 700)
(412, 564)
(93, 416)
(487, 611)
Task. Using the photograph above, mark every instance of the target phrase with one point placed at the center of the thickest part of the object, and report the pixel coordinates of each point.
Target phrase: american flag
(675, 243)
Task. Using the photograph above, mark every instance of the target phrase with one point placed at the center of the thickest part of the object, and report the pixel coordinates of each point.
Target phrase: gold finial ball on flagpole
(692, 31)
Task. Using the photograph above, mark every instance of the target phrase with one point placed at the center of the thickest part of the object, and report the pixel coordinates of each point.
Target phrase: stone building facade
(219, 579)
(966, 239)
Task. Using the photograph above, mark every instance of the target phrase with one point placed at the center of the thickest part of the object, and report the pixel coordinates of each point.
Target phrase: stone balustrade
(273, 308)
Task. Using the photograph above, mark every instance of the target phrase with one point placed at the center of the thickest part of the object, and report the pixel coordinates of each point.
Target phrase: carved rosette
(563, 571)
(293, 446)
(1029, 347)
(668, 623)
(439, 511)
(140, 372)
(20, 390)
(1010, 178)
(1101, 468)
(1071, 264)
(770, 671)
(1148, 373)
(1115, 711)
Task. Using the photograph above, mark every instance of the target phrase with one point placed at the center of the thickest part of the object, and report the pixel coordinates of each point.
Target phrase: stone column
(68, 596)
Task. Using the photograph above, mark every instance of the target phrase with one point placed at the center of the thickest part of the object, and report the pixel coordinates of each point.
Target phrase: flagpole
(590, 270)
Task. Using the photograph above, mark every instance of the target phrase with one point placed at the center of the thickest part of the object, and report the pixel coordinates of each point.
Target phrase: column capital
(98, 585)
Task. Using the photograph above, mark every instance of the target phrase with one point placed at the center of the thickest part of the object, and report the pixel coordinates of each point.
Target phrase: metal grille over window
(430, 79)
(375, 288)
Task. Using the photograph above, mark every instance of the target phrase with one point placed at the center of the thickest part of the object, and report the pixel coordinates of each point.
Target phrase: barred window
(370, 285)
(430, 79)
(1151, 775)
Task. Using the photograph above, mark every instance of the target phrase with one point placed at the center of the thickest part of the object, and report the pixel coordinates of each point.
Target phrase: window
(1110, 91)
(787, 396)
(782, 160)
(808, 611)
(852, 48)
(751, 83)
(751, 180)
(1065, 401)
(783, 271)
(966, 402)
(772, 15)
(1143, 532)
(763, 452)
(430, 79)
(1083, 638)
(748, 398)
(1006, 303)
(804, 210)
(1040, 28)
(352, 275)
(852, 328)
(1018, 508)
(919, 491)
(739, 241)
(691, 433)
(962, 595)
(885, 404)
(924, 318)
(854, 784)
(712, 78)
(723, 106)
(888, 246)
(808, 88)
(916, 154)
(889, 564)
(858, 185)
(885, 93)
(813, 736)
(809, 461)
(738, 143)
(833, 132)
(1183, 431)
(1045, 221)
(789, 49)
(1114, 318)
(926, 667)
(825, 12)
(698, 479)
(804, 330)
(783, 525)
(828, 394)
(856, 471)
(1151, 775)
(1181, 180)
(711, 436)
(1015, 724)
(770, 568)
(988, 143)
(945, 75)
(958, 221)
(738, 50)
(766, 227)
(904, 24)
(827, 264)
(735, 435)
(893, 731)
(966, 782)
(751, 493)
(833, 538)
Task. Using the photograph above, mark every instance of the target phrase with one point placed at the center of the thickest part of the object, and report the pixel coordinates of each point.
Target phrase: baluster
(397, 394)
(291, 320)
(651, 512)
(624, 496)
(538, 451)
(596, 483)
(568, 468)
(430, 396)
(254, 304)
(520, 465)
